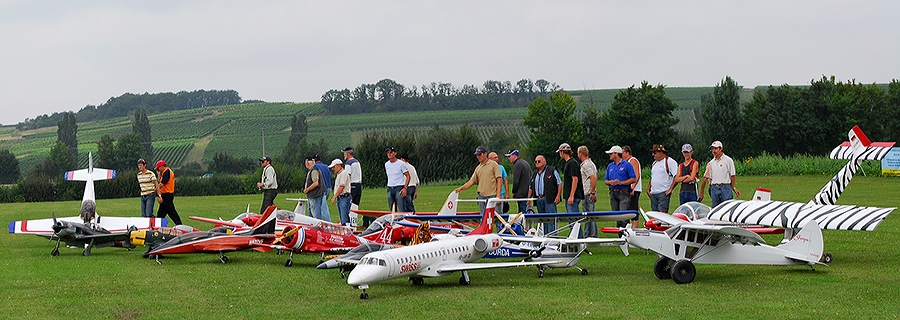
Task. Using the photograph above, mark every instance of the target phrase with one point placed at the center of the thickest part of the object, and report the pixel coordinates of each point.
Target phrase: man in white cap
(721, 175)
(687, 175)
(619, 177)
(341, 190)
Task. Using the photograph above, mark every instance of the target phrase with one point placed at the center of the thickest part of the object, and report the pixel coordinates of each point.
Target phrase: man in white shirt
(354, 168)
(341, 191)
(721, 175)
(397, 180)
(662, 179)
(411, 193)
(589, 184)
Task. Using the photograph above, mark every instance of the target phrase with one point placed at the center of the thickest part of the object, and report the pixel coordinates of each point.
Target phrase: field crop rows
(374, 121)
(246, 145)
(174, 130)
(173, 155)
(516, 130)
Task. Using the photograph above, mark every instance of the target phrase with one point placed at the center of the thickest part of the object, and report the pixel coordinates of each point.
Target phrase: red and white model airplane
(442, 256)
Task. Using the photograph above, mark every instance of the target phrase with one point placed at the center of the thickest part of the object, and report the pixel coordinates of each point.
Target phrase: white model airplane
(821, 209)
(444, 255)
(687, 243)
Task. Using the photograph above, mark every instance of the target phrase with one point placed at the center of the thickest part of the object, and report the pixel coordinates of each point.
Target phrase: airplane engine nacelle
(294, 237)
(655, 224)
(488, 243)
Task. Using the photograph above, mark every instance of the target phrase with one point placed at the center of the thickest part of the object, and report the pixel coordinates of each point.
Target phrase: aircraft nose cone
(325, 265)
(361, 275)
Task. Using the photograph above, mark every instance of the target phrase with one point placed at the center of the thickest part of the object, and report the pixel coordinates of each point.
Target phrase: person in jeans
(149, 189)
(341, 191)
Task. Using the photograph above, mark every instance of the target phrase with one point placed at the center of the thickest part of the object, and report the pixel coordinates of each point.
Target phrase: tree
(67, 133)
(502, 142)
(722, 117)
(9, 167)
(141, 126)
(128, 151)
(552, 122)
(106, 152)
(54, 165)
(637, 117)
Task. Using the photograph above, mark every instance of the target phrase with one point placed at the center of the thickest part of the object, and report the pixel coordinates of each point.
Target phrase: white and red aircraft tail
(807, 245)
(487, 221)
(762, 194)
(859, 148)
(266, 224)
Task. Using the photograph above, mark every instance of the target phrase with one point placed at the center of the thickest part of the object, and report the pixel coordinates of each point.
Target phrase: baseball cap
(160, 163)
(614, 149)
(391, 149)
(687, 147)
(335, 162)
(266, 158)
(563, 147)
(716, 144)
(512, 152)
(311, 157)
(347, 149)
(480, 150)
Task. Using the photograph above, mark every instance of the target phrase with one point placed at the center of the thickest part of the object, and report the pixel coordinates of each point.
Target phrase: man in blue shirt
(619, 177)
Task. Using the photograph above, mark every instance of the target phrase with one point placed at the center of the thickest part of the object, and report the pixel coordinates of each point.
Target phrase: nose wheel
(364, 295)
(223, 259)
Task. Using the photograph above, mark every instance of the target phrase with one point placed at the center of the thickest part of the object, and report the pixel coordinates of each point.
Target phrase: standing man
(504, 183)
(521, 175)
(315, 191)
(487, 176)
(546, 186)
(149, 189)
(619, 177)
(411, 192)
(572, 188)
(662, 179)
(341, 191)
(721, 175)
(397, 180)
(268, 183)
(636, 187)
(166, 187)
(687, 175)
(589, 184)
(326, 174)
(354, 168)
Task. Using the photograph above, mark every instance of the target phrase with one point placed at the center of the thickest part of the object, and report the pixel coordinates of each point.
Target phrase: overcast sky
(63, 55)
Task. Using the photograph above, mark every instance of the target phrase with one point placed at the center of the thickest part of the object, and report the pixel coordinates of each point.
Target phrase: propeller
(533, 254)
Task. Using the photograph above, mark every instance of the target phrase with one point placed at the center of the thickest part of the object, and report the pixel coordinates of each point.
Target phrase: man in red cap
(166, 185)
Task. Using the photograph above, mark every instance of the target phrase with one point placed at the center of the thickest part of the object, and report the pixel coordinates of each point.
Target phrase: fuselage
(421, 260)
(707, 249)
(210, 242)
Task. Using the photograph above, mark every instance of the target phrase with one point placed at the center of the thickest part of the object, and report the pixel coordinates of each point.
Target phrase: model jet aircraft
(442, 256)
(421, 234)
(221, 243)
(92, 231)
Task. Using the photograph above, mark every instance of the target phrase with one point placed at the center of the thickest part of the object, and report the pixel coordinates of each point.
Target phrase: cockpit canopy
(372, 261)
(693, 210)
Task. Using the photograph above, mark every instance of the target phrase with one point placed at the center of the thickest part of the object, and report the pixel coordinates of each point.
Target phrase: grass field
(861, 282)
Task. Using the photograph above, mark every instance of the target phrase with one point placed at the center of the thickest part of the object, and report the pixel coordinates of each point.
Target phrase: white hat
(335, 162)
(564, 147)
(687, 147)
(614, 149)
(716, 144)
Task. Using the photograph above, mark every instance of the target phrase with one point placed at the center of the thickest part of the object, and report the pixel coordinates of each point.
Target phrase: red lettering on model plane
(409, 267)
(797, 237)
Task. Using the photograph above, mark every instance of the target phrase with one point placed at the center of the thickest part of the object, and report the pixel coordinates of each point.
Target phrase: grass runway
(862, 282)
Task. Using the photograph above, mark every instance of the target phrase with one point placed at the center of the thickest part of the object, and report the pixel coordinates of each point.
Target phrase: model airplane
(421, 234)
(442, 256)
(299, 239)
(687, 243)
(92, 231)
(221, 243)
(284, 218)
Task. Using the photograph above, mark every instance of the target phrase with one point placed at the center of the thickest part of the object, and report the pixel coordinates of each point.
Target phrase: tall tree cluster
(141, 126)
(121, 154)
(552, 122)
(9, 167)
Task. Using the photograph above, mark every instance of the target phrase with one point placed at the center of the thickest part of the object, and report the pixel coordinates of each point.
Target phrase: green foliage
(67, 133)
(9, 167)
(798, 165)
(128, 151)
(445, 154)
(225, 163)
(723, 118)
(141, 126)
(551, 123)
(106, 153)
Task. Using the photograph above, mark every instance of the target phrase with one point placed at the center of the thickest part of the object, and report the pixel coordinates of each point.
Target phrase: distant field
(861, 282)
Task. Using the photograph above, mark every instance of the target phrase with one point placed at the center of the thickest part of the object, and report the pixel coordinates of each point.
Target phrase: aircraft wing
(665, 217)
(539, 217)
(743, 235)
(456, 266)
(111, 224)
(795, 215)
(875, 151)
(597, 242)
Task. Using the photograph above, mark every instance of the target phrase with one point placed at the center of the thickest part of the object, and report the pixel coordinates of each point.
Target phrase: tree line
(388, 95)
(152, 103)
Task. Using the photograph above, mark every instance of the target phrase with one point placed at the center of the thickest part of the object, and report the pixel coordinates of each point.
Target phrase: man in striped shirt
(147, 181)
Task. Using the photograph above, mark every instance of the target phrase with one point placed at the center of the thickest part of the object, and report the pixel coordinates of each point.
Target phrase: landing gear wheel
(363, 295)
(418, 281)
(683, 272)
(288, 262)
(662, 268)
(55, 252)
(540, 273)
(86, 252)
(827, 258)
(224, 259)
(584, 272)
(463, 281)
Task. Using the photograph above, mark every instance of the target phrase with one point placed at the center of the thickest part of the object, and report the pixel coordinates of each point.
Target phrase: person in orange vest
(166, 186)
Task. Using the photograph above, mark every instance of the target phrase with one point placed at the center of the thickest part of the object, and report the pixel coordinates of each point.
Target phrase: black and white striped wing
(876, 151)
(795, 215)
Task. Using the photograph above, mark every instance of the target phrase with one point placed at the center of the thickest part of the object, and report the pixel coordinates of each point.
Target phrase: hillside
(239, 129)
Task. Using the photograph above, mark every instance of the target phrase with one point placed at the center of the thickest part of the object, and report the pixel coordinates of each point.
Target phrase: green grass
(862, 282)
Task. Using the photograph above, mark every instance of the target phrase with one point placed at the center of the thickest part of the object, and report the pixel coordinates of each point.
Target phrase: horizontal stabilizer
(794, 215)
(83, 175)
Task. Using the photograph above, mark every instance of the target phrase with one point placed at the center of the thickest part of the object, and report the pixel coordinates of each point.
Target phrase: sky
(63, 55)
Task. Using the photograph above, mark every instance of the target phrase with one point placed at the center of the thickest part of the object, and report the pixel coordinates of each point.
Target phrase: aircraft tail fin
(858, 141)
(266, 224)
(807, 245)
(762, 194)
(576, 230)
(449, 208)
(833, 189)
(487, 222)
